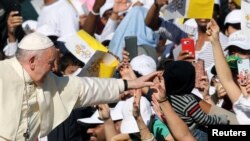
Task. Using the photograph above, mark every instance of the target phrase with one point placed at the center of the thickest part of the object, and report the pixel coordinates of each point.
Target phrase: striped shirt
(188, 108)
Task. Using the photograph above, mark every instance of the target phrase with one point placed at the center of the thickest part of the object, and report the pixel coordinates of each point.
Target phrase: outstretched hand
(144, 81)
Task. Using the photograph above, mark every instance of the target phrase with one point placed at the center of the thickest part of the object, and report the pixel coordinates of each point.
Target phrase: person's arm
(144, 131)
(177, 126)
(93, 17)
(221, 66)
(113, 21)
(105, 90)
(152, 19)
(109, 127)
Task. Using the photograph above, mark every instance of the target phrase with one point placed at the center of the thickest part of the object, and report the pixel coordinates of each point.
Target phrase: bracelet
(95, 13)
(125, 84)
(161, 101)
(151, 139)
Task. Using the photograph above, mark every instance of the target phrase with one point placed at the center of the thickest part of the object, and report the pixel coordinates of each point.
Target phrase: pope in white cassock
(34, 101)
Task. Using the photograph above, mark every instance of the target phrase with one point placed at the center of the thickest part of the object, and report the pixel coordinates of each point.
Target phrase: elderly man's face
(44, 64)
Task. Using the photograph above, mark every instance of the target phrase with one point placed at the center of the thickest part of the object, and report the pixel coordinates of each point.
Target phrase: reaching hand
(13, 22)
(104, 111)
(136, 103)
(186, 56)
(159, 89)
(121, 5)
(127, 72)
(144, 81)
(204, 85)
(213, 31)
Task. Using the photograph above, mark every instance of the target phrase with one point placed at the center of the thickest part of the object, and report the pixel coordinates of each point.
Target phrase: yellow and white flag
(188, 9)
(245, 23)
(88, 50)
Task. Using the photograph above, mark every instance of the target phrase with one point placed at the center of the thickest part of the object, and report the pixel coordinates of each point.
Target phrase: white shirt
(61, 16)
(206, 52)
(242, 109)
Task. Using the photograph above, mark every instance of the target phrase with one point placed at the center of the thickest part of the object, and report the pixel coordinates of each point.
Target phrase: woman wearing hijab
(179, 79)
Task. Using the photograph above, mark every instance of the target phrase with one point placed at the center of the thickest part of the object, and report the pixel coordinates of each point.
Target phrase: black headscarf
(179, 78)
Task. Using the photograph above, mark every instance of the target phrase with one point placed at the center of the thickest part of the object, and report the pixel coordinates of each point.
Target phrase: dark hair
(69, 59)
(236, 26)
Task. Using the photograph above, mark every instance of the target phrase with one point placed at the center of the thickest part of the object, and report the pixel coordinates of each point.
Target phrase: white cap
(116, 114)
(129, 124)
(108, 5)
(35, 41)
(235, 16)
(239, 39)
(143, 64)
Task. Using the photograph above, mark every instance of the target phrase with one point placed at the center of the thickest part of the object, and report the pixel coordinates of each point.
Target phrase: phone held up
(199, 72)
(243, 71)
(131, 46)
(187, 44)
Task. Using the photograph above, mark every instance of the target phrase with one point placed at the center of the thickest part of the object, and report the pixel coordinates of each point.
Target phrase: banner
(88, 50)
(188, 9)
(245, 23)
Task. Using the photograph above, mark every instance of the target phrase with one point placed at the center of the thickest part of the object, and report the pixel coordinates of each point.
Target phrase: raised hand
(13, 22)
(136, 103)
(213, 31)
(159, 89)
(204, 85)
(186, 56)
(121, 5)
(104, 111)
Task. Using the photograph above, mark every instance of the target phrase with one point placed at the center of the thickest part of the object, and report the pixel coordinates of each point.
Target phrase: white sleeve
(109, 28)
(100, 90)
(10, 49)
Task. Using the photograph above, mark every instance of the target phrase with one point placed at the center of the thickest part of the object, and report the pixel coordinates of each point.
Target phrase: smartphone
(199, 72)
(243, 71)
(188, 45)
(131, 46)
(17, 7)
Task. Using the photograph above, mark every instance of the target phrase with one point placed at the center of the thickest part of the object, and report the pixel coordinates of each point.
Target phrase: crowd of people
(158, 92)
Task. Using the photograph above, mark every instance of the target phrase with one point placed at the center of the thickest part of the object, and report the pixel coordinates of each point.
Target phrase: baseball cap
(234, 17)
(116, 114)
(35, 41)
(143, 64)
(239, 39)
(129, 124)
(108, 5)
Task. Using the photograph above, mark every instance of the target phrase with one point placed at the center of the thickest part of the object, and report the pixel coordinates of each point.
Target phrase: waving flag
(98, 62)
(188, 9)
(245, 23)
